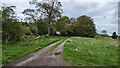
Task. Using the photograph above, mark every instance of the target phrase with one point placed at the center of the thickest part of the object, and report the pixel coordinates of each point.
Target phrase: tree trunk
(49, 31)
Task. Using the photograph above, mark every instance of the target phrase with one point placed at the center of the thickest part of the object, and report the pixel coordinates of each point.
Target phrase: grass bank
(90, 51)
(14, 51)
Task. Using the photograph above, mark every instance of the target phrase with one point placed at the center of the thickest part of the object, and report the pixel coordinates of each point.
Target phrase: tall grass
(90, 51)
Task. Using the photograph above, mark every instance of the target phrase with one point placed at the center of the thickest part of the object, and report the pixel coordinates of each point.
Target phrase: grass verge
(17, 50)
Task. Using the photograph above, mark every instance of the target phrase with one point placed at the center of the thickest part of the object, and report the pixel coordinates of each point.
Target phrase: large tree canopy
(84, 26)
(51, 10)
(62, 25)
(31, 15)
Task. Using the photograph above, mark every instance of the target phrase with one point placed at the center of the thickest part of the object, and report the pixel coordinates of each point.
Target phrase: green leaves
(12, 31)
(8, 12)
(42, 27)
(62, 25)
(84, 26)
(30, 14)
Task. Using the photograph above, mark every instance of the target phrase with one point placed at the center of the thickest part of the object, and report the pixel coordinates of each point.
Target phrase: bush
(27, 31)
(114, 36)
(33, 28)
(12, 31)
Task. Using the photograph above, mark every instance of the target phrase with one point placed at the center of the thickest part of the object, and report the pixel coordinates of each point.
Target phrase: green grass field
(14, 51)
(89, 51)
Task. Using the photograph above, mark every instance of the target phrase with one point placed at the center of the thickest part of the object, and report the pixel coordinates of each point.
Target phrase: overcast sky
(103, 12)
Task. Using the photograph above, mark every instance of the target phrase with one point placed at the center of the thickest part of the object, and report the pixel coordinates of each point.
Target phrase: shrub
(33, 28)
(114, 36)
(12, 31)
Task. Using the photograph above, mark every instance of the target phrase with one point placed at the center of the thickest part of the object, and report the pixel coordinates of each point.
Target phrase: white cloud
(62, 1)
(103, 16)
(4, 1)
(89, 0)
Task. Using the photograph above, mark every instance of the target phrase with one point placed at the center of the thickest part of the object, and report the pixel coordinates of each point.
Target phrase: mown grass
(90, 51)
(14, 51)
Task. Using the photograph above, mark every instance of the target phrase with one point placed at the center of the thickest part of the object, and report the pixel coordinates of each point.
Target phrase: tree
(84, 26)
(42, 27)
(0, 16)
(114, 36)
(0, 21)
(26, 30)
(33, 28)
(12, 32)
(8, 13)
(62, 25)
(51, 10)
(11, 29)
(31, 15)
(104, 31)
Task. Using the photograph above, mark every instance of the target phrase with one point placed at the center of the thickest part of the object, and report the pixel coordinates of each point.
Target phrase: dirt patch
(57, 53)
